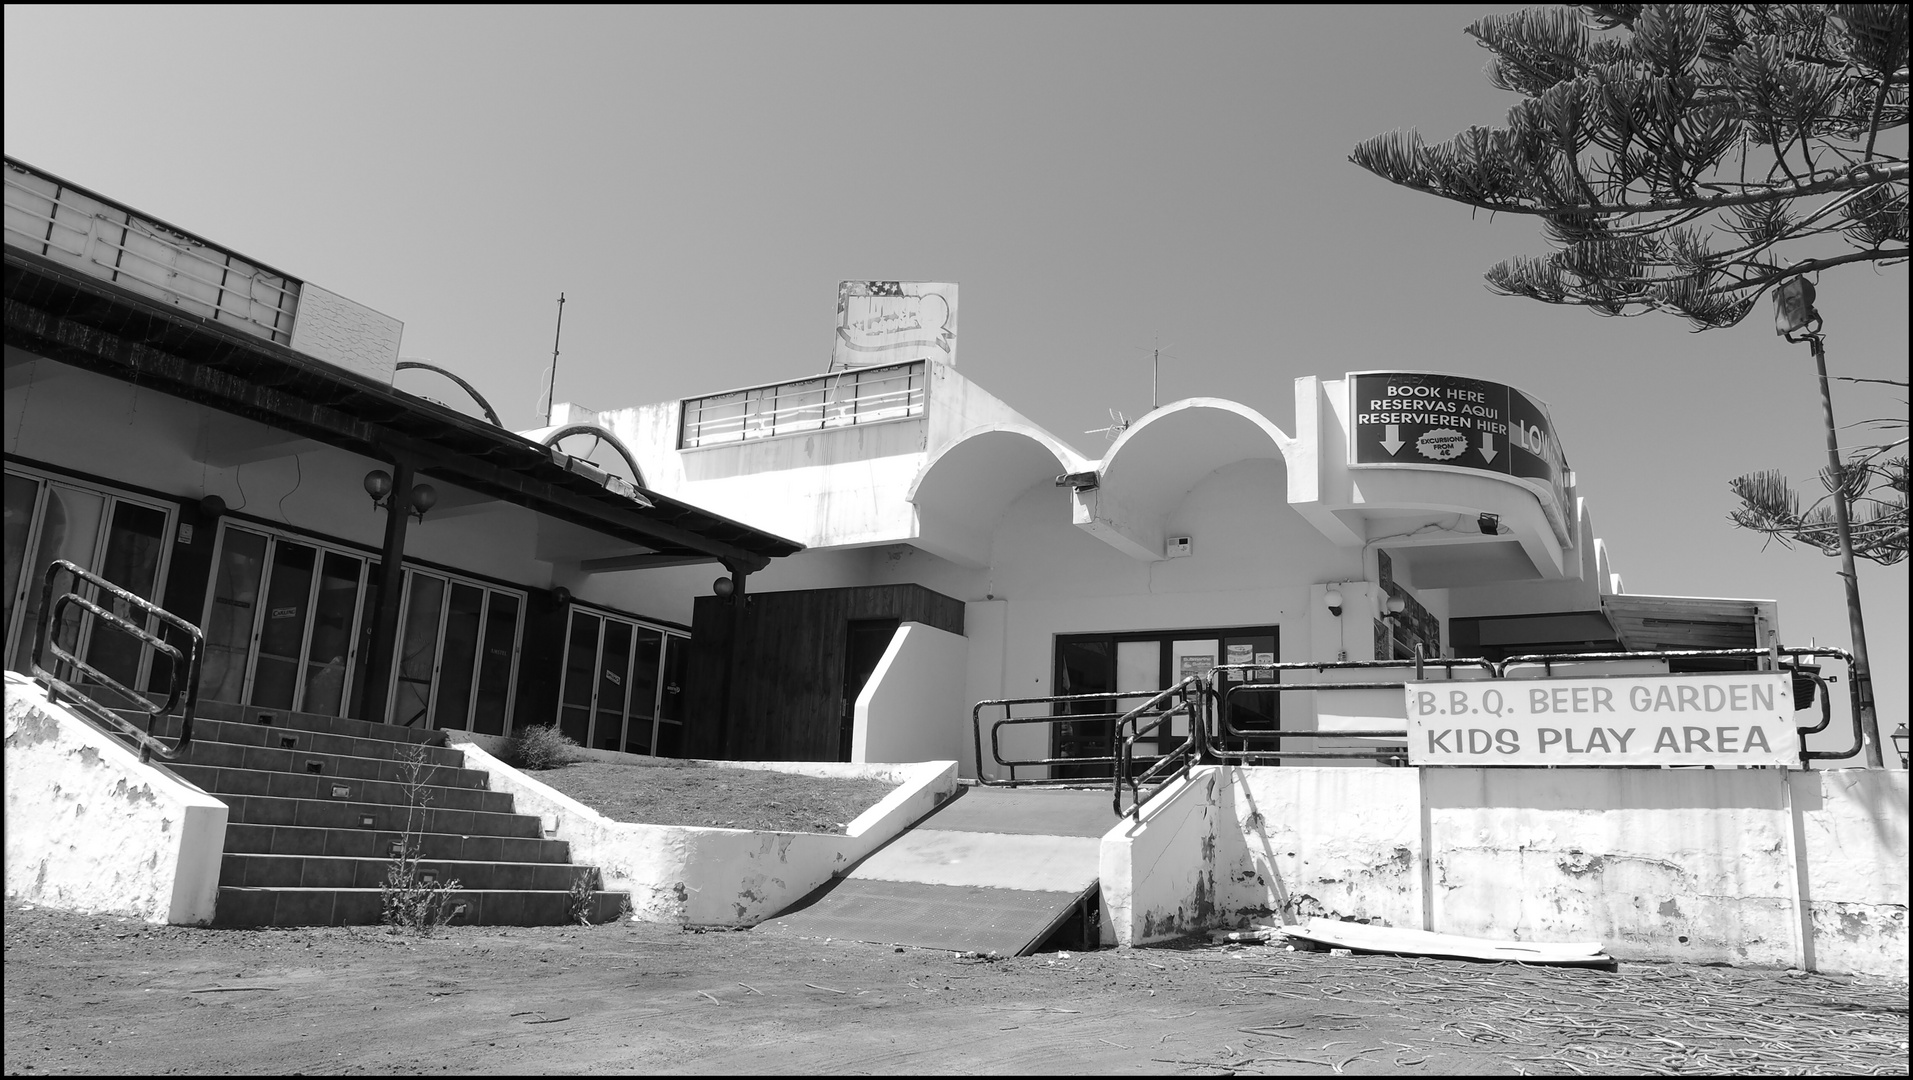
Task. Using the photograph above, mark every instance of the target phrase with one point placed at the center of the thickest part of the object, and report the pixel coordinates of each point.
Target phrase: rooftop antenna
(1155, 375)
(551, 392)
(1118, 424)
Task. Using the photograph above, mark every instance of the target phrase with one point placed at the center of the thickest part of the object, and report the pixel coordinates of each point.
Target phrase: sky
(1101, 182)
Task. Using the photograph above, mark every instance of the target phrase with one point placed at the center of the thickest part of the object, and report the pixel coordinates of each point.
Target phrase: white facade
(1203, 514)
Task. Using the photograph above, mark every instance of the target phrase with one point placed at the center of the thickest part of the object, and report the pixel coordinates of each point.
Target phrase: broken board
(1391, 939)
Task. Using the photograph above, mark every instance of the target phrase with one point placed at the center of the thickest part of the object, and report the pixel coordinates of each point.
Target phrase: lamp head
(561, 596)
(1793, 309)
(212, 507)
(1490, 524)
(1396, 605)
(378, 484)
(723, 586)
(1900, 739)
(424, 497)
(1333, 598)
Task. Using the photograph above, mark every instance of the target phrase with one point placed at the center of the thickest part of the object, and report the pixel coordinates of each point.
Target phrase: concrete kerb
(705, 876)
(92, 829)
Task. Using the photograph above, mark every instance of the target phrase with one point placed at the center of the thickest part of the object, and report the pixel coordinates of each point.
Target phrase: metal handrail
(1212, 720)
(150, 745)
(1179, 758)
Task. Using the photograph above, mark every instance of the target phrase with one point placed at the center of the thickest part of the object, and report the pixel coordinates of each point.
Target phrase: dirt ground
(712, 795)
(86, 994)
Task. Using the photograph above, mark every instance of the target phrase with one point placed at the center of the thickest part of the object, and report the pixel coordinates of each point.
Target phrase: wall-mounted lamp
(1490, 524)
(723, 587)
(212, 508)
(378, 484)
(1900, 739)
(561, 596)
(1333, 598)
(1078, 481)
(1396, 605)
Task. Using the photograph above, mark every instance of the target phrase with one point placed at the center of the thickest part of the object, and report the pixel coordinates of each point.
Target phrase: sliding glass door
(621, 685)
(117, 535)
(289, 622)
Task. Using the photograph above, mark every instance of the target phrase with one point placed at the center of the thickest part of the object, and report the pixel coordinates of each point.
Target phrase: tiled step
(315, 722)
(378, 844)
(360, 907)
(335, 872)
(325, 814)
(324, 788)
(301, 741)
(237, 755)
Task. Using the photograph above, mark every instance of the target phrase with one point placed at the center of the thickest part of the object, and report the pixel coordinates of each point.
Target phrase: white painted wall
(718, 877)
(1749, 867)
(1849, 823)
(90, 829)
(911, 709)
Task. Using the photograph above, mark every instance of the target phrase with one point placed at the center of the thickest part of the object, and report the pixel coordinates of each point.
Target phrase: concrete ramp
(992, 870)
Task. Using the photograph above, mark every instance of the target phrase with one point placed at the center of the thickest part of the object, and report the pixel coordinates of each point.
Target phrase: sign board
(894, 322)
(1452, 423)
(1724, 719)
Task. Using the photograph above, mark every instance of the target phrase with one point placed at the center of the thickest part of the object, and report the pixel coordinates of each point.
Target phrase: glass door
(118, 537)
(1132, 667)
(281, 622)
(613, 697)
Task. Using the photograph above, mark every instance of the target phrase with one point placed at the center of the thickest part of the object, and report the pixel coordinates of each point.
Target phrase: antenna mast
(551, 392)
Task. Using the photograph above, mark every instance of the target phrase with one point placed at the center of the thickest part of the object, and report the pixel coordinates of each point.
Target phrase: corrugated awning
(55, 312)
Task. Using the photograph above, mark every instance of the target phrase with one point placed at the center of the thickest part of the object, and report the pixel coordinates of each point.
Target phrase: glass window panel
(70, 529)
(1254, 710)
(331, 645)
(581, 659)
(494, 666)
(133, 548)
(242, 560)
(22, 493)
(418, 649)
(460, 656)
(759, 413)
(614, 672)
(671, 694)
(368, 611)
(1139, 668)
(282, 633)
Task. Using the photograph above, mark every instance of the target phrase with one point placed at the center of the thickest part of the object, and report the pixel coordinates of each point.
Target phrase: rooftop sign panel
(1453, 423)
(894, 322)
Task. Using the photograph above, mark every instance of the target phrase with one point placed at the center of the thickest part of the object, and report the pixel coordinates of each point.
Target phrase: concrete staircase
(319, 805)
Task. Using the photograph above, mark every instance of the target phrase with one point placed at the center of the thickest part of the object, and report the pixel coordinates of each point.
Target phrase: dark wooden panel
(787, 703)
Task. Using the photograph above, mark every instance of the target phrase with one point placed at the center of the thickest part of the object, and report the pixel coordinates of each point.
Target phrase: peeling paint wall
(1755, 867)
(1332, 842)
(91, 829)
(1671, 864)
(718, 877)
(1852, 827)
(1159, 873)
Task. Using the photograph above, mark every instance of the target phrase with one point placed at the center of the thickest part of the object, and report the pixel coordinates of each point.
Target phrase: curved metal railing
(71, 677)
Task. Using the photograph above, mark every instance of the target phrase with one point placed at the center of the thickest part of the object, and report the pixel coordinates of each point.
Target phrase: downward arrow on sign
(1392, 439)
(1487, 447)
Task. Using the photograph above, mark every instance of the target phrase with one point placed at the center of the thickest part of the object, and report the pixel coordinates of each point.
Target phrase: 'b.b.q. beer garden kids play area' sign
(1724, 720)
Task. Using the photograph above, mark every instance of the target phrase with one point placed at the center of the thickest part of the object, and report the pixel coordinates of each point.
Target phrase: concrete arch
(1165, 453)
(965, 486)
(1154, 464)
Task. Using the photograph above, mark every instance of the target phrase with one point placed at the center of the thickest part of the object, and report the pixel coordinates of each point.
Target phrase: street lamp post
(1796, 320)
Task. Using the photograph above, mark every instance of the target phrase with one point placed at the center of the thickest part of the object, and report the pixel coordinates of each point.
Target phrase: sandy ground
(86, 994)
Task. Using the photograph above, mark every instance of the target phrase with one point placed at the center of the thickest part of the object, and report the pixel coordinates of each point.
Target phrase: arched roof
(978, 474)
(1164, 454)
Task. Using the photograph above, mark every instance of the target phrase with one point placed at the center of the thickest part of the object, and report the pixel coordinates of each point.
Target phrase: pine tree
(1688, 159)
(1682, 158)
